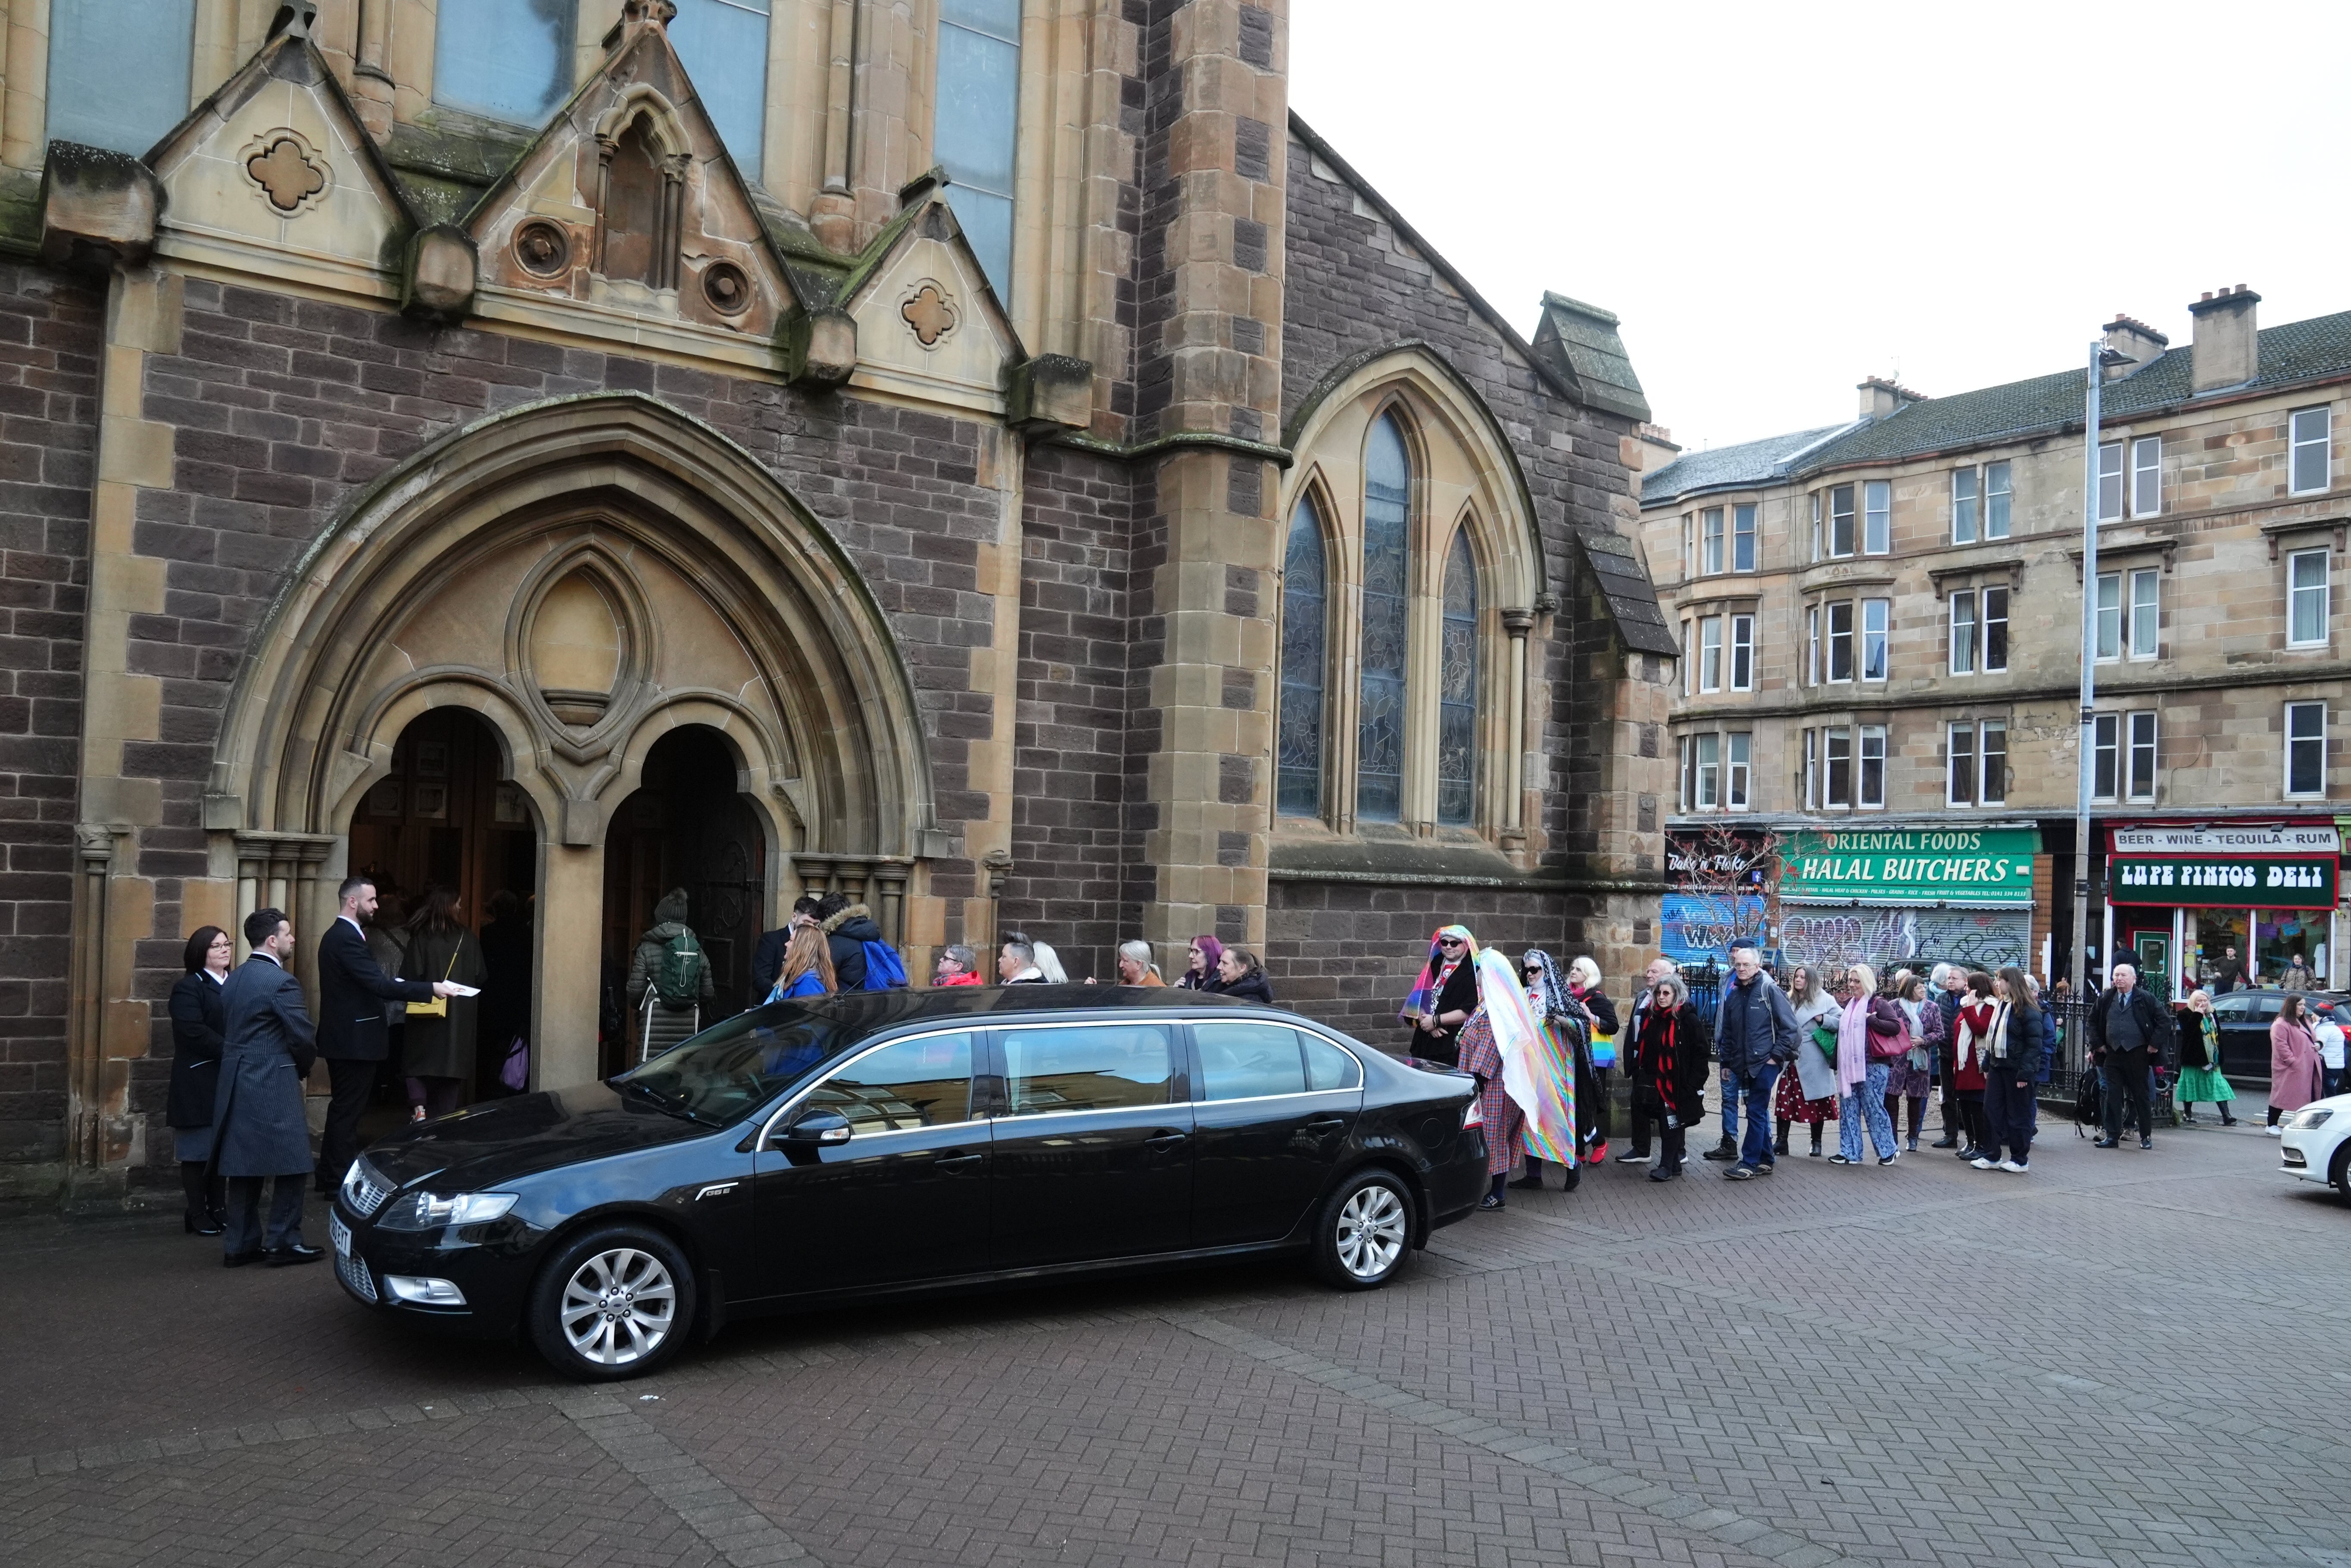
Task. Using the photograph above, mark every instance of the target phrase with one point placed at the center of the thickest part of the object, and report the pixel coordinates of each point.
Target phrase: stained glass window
(1457, 689)
(1387, 512)
(1298, 731)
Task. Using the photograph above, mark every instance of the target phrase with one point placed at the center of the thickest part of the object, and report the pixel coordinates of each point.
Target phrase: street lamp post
(2101, 358)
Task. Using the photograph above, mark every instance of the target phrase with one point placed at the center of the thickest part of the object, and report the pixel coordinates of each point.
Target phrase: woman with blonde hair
(808, 967)
(2199, 1063)
(1868, 1030)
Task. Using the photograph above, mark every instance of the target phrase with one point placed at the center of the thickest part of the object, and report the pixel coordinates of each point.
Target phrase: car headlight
(2312, 1117)
(429, 1211)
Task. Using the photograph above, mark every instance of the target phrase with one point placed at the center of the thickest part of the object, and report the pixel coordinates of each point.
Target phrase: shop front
(2224, 906)
(1904, 897)
(1717, 893)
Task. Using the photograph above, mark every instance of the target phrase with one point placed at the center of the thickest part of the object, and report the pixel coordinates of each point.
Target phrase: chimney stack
(2228, 349)
(1880, 396)
(2144, 344)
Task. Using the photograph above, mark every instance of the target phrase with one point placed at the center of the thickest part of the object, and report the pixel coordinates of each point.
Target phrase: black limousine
(807, 1154)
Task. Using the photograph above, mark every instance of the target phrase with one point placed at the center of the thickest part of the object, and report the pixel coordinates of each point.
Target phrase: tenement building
(1883, 622)
(985, 457)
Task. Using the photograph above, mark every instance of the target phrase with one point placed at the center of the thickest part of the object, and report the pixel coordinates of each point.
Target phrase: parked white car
(2316, 1143)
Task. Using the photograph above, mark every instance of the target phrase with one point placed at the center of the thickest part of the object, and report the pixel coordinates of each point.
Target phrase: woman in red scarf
(1671, 1059)
(1970, 1042)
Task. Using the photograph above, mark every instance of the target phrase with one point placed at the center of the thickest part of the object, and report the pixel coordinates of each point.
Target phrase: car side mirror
(817, 1129)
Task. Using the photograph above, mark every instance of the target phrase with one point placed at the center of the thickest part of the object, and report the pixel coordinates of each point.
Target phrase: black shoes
(1529, 1184)
(239, 1259)
(1780, 1145)
(2146, 1143)
(1726, 1149)
(2228, 1121)
(1489, 1201)
(1946, 1141)
(1666, 1173)
(296, 1252)
(203, 1223)
(2104, 1143)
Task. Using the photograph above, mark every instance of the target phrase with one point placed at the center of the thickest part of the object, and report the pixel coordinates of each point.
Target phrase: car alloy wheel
(1366, 1228)
(614, 1303)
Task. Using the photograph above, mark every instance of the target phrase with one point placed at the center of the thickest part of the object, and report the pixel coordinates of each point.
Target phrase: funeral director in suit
(258, 1129)
(353, 1035)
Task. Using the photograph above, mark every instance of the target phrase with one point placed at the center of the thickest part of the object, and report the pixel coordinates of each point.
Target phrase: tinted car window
(1243, 1061)
(2268, 1007)
(732, 1068)
(1327, 1067)
(922, 1083)
(1089, 1067)
(2231, 1007)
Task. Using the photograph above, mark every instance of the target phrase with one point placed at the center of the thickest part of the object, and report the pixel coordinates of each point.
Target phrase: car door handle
(958, 1162)
(1326, 1124)
(1165, 1140)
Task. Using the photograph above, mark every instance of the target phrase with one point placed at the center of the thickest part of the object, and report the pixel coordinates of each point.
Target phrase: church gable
(626, 217)
(274, 174)
(928, 325)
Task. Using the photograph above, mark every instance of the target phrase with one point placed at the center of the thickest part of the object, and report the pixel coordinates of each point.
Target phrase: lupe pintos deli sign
(1972, 867)
(2254, 868)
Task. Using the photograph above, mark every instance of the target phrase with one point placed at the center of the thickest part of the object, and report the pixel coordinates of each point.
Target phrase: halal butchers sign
(2253, 867)
(1973, 867)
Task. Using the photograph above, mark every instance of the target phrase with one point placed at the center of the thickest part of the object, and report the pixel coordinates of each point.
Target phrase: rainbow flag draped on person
(1434, 972)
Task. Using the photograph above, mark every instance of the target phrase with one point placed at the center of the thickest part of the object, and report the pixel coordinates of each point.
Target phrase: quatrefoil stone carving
(286, 174)
(930, 313)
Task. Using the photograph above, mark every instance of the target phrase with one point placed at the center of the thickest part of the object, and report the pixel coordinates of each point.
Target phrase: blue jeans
(1868, 1100)
(1730, 1108)
(1756, 1151)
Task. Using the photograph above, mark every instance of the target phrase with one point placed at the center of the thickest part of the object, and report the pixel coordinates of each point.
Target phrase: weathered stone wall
(51, 330)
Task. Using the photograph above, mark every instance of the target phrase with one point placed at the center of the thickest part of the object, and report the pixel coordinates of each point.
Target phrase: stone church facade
(744, 488)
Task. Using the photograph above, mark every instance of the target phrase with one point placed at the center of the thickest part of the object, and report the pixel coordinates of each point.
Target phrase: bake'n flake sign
(1976, 866)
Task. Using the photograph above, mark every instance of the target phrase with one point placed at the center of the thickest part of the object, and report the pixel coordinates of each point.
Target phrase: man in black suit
(352, 1035)
(768, 960)
(259, 1133)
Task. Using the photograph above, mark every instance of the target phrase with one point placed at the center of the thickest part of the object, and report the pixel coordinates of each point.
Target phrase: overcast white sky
(1782, 199)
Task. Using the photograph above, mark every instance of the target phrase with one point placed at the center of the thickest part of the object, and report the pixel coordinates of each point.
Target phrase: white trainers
(2274, 1130)
(2013, 1167)
(1981, 1164)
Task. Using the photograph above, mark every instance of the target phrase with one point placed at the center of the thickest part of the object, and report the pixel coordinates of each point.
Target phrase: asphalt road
(2123, 1358)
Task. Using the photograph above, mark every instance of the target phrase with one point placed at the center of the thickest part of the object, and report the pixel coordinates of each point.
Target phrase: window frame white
(1738, 769)
(2147, 476)
(1999, 478)
(1994, 776)
(1706, 770)
(1967, 508)
(1689, 545)
(1711, 540)
(1882, 635)
(2110, 616)
(1851, 637)
(1863, 762)
(2293, 742)
(2296, 592)
(1811, 645)
(2106, 755)
(1709, 654)
(1745, 546)
(2143, 741)
(1742, 653)
(1831, 736)
(2297, 443)
(1959, 777)
(1985, 621)
(2143, 615)
(1877, 517)
(1812, 787)
(1851, 520)
(1689, 659)
(1961, 624)
(2110, 474)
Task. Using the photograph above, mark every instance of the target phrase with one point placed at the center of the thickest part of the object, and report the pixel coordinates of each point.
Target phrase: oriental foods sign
(1971, 867)
(2259, 881)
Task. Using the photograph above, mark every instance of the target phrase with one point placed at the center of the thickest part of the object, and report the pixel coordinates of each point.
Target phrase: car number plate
(342, 1235)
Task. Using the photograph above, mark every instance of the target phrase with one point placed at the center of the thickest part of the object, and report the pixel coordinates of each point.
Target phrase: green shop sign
(1974, 867)
(2257, 882)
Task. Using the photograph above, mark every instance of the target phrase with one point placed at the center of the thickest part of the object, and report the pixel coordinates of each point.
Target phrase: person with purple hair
(1201, 972)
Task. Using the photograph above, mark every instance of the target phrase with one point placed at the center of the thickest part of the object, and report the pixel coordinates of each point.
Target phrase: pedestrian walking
(1244, 977)
(808, 967)
(1200, 966)
(1562, 1130)
(2330, 1051)
(1870, 1031)
(1446, 996)
(2012, 1054)
(957, 965)
(352, 1035)
(198, 1040)
(1946, 989)
(1134, 965)
(1978, 1015)
(2200, 1077)
(767, 957)
(1754, 1039)
(1016, 961)
(1807, 1094)
(1636, 1151)
(438, 1055)
(2128, 1028)
(1670, 1059)
(2297, 975)
(1496, 1042)
(863, 959)
(260, 1135)
(2294, 1076)
(669, 978)
(1910, 1078)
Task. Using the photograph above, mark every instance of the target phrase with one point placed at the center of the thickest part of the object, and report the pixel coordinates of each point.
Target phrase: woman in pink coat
(2293, 1062)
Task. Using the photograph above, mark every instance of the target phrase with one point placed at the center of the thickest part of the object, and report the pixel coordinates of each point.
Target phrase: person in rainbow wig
(1446, 996)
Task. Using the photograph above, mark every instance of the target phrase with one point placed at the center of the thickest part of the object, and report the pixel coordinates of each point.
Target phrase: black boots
(1780, 1144)
(207, 1209)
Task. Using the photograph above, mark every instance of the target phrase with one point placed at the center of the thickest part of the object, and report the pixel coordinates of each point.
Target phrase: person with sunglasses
(1565, 1082)
(1445, 998)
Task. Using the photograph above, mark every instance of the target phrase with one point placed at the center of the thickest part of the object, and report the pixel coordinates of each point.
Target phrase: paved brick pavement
(2123, 1358)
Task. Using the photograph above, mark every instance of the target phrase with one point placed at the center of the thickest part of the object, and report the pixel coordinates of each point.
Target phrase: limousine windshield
(731, 1069)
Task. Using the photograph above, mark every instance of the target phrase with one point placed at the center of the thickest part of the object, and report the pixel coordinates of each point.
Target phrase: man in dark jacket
(2128, 1030)
(847, 929)
(258, 1129)
(1754, 1037)
(767, 958)
(353, 1037)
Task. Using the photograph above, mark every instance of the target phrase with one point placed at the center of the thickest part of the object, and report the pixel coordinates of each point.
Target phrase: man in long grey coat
(260, 1131)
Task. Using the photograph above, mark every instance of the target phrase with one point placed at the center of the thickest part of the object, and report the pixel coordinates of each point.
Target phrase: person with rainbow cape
(1565, 1128)
(1446, 994)
(1499, 1041)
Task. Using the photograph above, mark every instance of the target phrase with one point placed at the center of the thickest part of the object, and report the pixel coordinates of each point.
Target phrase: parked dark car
(880, 1144)
(2245, 1016)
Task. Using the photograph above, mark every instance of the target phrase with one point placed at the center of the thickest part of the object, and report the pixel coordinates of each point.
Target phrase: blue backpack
(884, 970)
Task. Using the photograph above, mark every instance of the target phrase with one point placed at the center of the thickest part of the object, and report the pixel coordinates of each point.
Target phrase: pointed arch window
(1298, 790)
(1457, 689)
(1387, 526)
